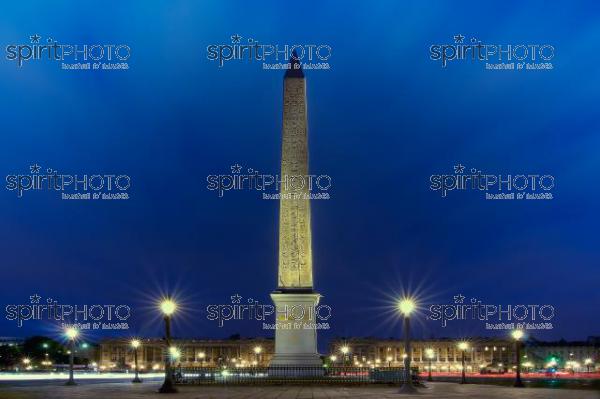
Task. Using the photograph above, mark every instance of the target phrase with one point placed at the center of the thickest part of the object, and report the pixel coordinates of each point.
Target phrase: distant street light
(517, 335)
(429, 353)
(345, 349)
(257, 351)
(463, 346)
(71, 334)
(135, 344)
(168, 307)
(201, 356)
(407, 306)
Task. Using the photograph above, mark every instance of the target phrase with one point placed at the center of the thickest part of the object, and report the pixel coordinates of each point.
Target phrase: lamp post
(463, 346)
(135, 344)
(201, 356)
(333, 358)
(257, 351)
(588, 363)
(345, 351)
(517, 335)
(429, 354)
(406, 307)
(71, 334)
(168, 307)
(389, 360)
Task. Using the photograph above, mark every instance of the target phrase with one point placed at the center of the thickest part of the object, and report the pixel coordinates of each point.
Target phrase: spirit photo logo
(303, 316)
(273, 56)
(71, 56)
(87, 317)
(522, 186)
(295, 187)
(509, 317)
(518, 56)
(83, 186)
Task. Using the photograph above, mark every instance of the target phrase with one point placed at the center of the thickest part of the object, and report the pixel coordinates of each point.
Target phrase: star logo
(35, 168)
(35, 298)
(236, 169)
(460, 298)
(459, 168)
(235, 38)
(35, 38)
(235, 298)
(458, 38)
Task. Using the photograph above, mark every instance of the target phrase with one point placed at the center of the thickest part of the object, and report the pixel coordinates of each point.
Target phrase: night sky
(381, 122)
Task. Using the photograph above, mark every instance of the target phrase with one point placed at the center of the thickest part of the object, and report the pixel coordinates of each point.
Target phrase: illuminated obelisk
(295, 337)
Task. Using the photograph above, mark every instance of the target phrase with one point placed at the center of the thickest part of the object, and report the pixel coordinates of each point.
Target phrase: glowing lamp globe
(463, 346)
(429, 353)
(168, 307)
(135, 343)
(517, 334)
(406, 306)
(71, 333)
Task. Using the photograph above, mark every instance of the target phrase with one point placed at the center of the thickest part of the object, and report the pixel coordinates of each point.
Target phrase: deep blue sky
(381, 121)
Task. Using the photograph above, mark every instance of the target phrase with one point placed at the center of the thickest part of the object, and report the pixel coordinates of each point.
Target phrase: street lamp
(71, 334)
(407, 306)
(389, 360)
(135, 344)
(463, 346)
(429, 354)
(588, 363)
(345, 351)
(517, 335)
(333, 358)
(168, 307)
(257, 351)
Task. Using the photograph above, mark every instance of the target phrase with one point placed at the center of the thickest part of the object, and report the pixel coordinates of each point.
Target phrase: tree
(38, 346)
(9, 356)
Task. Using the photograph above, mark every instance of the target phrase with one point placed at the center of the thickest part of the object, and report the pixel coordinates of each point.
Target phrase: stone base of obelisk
(296, 335)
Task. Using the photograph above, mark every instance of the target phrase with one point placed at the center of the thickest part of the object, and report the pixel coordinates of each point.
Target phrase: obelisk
(295, 300)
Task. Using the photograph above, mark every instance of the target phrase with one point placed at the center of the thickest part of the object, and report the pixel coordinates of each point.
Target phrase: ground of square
(148, 390)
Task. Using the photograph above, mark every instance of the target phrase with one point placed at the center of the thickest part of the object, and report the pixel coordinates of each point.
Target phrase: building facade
(481, 354)
(118, 354)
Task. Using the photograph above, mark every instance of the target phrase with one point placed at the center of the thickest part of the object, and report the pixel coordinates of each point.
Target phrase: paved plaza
(127, 390)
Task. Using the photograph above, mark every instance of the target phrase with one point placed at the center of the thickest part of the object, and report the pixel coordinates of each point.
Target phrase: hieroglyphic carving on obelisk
(295, 249)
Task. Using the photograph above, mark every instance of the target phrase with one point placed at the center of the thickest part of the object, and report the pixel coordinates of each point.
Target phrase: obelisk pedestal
(295, 336)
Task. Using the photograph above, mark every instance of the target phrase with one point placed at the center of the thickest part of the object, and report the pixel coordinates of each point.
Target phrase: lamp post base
(136, 380)
(70, 383)
(408, 389)
(167, 387)
(519, 384)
